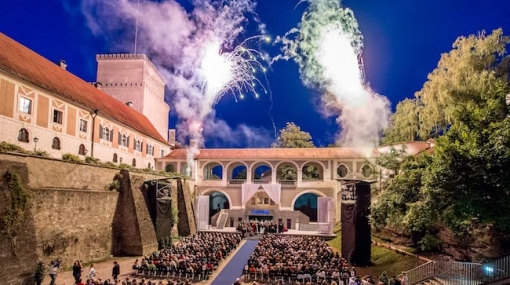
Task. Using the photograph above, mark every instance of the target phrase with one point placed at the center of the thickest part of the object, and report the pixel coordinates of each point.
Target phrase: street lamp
(36, 139)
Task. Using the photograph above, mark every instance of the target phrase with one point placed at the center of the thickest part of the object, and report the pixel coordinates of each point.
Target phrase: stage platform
(289, 232)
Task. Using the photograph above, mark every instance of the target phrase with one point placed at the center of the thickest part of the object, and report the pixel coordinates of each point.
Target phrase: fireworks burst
(327, 48)
(228, 72)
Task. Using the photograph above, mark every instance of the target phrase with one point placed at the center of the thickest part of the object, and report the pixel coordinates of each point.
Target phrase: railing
(261, 181)
(494, 270)
(466, 272)
(287, 182)
(421, 273)
(236, 181)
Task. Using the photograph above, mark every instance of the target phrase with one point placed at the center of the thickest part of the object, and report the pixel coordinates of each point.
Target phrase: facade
(44, 107)
(301, 175)
(133, 78)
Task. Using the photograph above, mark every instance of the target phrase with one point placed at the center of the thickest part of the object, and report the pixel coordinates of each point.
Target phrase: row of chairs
(174, 273)
(289, 277)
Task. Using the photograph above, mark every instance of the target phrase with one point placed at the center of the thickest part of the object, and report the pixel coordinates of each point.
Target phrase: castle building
(278, 184)
(134, 80)
(46, 108)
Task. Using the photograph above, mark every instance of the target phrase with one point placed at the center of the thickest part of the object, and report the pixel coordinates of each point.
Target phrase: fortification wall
(70, 214)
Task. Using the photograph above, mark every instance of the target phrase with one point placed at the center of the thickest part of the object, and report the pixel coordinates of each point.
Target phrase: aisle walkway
(234, 269)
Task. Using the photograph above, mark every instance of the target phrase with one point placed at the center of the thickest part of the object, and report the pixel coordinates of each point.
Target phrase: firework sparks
(326, 46)
(224, 72)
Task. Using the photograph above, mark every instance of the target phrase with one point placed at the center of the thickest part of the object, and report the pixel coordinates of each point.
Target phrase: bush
(110, 164)
(429, 242)
(126, 166)
(39, 272)
(9, 147)
(69, 157)
(41, 153)
(92, 160)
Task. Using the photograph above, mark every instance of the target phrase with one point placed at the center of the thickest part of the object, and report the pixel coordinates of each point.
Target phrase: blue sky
(403, 41)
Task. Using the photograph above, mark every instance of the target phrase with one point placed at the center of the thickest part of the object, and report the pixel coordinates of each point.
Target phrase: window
(25, 105)
(106, 134)
(57, 116)
(120, 160)
(149, 166)
(114, 158)
(56, 143)
(83, 125)
(138, 145)
(123, 140)
(81, 150)
(170, 168)
(162, 153)
(134, 163)
(23, 135)
(150, 149)
(342, 171)
(367, 171)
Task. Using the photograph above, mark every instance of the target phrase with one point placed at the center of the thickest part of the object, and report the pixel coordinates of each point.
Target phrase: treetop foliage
(466, 182)
(293, 137)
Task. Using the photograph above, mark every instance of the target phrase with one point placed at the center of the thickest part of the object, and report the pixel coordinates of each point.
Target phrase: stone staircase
(308, 227)
(222, 220)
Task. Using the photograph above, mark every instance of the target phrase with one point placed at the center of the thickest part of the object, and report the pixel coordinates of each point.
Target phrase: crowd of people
(282, 257)
(196, 256)
(260, 227)
(277, 259)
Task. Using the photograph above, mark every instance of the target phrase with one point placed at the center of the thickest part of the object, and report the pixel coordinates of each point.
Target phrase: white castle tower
(134, 80)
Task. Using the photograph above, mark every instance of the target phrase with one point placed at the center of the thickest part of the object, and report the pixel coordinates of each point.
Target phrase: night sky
(403, 42)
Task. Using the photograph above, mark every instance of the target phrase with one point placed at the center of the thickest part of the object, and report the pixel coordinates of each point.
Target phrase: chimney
(193, 143)
(62, 63)
(171, 136)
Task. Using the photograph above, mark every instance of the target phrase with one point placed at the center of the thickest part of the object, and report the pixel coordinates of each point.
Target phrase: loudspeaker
(356, 234)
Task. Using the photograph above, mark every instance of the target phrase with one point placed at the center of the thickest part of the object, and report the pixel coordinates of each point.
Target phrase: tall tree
(471, 68)
(465, 184)
(293, 137)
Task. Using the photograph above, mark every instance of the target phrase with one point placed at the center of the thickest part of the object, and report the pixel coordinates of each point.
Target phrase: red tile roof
(277, 153)
(24, 63)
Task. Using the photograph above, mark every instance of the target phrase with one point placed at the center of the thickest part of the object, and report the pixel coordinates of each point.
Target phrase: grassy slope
(384, 259)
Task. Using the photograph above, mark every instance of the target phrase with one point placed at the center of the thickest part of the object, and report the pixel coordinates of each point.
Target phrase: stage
(290, 232)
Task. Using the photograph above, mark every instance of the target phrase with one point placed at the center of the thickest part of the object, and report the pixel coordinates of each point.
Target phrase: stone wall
(18, 254)
(72, 215)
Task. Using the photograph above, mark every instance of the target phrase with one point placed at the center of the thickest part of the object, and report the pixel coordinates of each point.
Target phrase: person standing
(115, 270)
(92, 272)
(77, 269)
(52, 271)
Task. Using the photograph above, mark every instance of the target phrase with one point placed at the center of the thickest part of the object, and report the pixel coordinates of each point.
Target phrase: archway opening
(307, 204)
(238, 174)
(262, 174)
(312, 171)
(286, 174)
(217, 202)
(213, 171)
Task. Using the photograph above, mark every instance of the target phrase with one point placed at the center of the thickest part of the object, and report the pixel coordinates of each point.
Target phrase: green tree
(293, 137)
(464, 184)
(471, 68)
(404, 123)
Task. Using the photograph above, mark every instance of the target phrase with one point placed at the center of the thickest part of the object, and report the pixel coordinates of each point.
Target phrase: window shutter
(100, 131)
(134, 143)
(147, 149)
(141, 146)
(127, 140)
(120, 139)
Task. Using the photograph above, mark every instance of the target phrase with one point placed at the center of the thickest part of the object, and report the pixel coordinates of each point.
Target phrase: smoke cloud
(184, 45)
(327, 48)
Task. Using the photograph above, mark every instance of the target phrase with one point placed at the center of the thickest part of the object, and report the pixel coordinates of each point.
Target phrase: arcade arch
(312, 171)
(306, 203)
(262, 172)
(213, 171)
(342, 171)
(286, 172)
